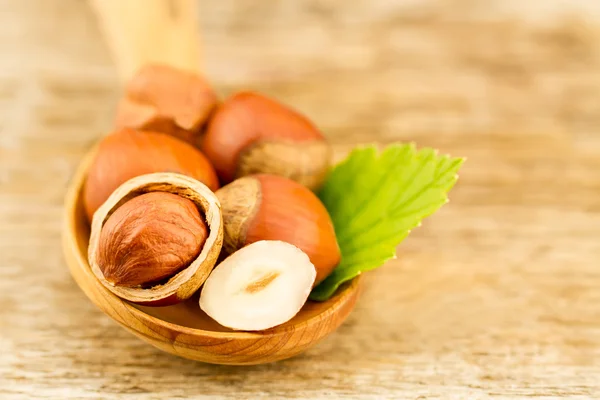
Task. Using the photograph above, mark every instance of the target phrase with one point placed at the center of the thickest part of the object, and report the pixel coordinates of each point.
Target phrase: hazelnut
(258, 287)
(250, 134)
(128, 153)
(156, 238)
(150, 238)
(162, 98)
(269, 207)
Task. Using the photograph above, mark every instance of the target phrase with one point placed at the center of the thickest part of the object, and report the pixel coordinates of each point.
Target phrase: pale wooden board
(497, 296)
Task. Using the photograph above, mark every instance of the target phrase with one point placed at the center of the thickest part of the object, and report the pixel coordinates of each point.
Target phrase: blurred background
(497, 293)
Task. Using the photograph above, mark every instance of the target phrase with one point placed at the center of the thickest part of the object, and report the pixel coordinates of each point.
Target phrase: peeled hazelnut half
(166, 99)
(156, 238)
(269, 207)
(250, 134)
(258, 287)
(128, 153)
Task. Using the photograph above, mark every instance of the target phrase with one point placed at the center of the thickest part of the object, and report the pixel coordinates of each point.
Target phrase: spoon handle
(150, 31)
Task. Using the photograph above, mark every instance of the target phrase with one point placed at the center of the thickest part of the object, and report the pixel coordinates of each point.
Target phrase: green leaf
(375, 200)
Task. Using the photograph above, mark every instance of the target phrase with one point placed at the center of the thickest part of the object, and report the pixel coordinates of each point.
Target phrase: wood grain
(495, 297)
(150, 31)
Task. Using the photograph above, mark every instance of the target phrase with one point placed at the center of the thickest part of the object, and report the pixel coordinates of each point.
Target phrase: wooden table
(496, 296)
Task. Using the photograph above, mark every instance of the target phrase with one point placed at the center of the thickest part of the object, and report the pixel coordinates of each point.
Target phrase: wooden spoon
(183, 329)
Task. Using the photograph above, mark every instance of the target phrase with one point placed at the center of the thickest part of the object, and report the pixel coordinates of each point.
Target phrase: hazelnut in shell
(156, 239)
(269, 207)
(150, 238)
(128, 153)
(166, 99)
(252, 134)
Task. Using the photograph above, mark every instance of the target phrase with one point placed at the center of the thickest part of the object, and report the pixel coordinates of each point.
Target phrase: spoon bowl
(183, 329)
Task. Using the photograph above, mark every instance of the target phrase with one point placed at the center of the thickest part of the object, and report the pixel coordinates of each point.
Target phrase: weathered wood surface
(497, 296)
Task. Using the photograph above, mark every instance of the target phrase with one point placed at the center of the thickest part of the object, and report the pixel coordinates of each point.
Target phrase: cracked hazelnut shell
(150, 238)
(184, 283)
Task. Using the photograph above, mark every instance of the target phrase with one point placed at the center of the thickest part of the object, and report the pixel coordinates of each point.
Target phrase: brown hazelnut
(165, 99)
(250, 134)
(156, 238)
(269, 207)
(128, 153)
(150, 238)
